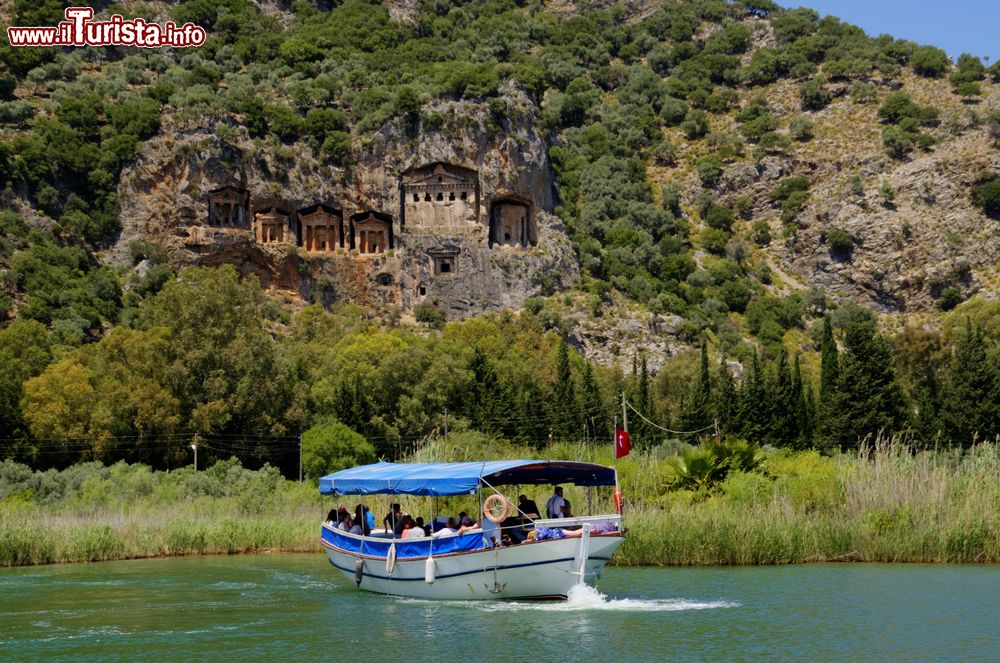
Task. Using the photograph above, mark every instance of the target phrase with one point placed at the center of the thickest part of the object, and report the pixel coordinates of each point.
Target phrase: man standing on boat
(554, 507)
(394, 517)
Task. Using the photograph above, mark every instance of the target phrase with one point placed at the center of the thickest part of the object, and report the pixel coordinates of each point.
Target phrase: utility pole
(300, 458)
(446, 422)
(194, 445)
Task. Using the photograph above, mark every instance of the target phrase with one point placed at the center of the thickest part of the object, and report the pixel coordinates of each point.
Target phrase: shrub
(841, 242)
(709, 169)
(695, 124)
(760, 232)
(429, 314)
(714, 240)
(673, 111)
(801, 128)
(813, 95)
(949, 299)
(706, 466)
(986, 196)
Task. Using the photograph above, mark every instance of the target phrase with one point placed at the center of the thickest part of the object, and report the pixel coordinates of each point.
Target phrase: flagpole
(624, 414)
(614, 447)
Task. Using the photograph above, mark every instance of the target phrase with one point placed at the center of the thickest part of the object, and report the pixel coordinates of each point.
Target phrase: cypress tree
(829, 364)
(969, 404)
(590, 403)
(725, 399)
(752, 406)
(867, 398)
(644, 404)
(781, 396)
(533, 428)
(802, 395)
(829, 370)
(696, 412)
(565, 413)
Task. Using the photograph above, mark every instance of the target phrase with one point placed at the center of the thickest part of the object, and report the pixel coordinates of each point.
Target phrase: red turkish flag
(623, 443)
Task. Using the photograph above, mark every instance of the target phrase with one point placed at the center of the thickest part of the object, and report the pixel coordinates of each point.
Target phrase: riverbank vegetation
(883, 503)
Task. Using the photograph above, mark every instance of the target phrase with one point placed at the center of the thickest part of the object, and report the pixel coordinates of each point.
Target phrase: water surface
(296, 607)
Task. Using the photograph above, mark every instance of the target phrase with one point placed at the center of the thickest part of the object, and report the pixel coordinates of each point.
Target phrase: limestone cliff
(165, 195)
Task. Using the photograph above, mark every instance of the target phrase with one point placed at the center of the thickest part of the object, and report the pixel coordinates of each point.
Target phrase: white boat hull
(542, 569)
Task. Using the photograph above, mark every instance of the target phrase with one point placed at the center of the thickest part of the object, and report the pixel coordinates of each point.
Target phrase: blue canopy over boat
(460, 478)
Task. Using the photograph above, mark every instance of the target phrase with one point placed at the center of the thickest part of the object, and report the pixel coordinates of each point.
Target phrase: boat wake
(585, 598)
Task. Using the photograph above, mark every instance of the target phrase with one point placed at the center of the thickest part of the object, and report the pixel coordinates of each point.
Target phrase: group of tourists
(516, 527)
(401, 525)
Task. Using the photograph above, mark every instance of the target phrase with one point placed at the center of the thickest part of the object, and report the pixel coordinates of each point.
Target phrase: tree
(867, 399)
(829, 368)
(753, 409)
(929, 61)
(725, 399)
(805, 408)
(591, 403)
(564, 404)
(968, 408)
(330, 446)
(25, 350)
(781, 392)
(697, 409)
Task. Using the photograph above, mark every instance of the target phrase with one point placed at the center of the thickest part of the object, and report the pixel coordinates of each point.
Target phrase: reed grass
(885, 503)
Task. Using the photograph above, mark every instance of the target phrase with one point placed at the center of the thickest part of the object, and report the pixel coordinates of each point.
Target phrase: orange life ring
(489, 505)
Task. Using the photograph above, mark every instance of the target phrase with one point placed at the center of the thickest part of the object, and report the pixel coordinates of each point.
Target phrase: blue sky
(958, 26)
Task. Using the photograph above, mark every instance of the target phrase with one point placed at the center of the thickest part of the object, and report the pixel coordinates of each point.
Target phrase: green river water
(295, 607)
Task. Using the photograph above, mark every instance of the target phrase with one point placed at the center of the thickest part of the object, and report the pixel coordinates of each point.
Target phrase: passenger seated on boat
(568, 513)
(331, 518)
(410, 529)
(449, 530)
(419, 525)
(467, 525)
(361, 521)
(527, 508)
(346, 524)
(397, 532)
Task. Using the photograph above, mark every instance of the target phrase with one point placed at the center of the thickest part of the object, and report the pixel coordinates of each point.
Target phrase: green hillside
(811, 207)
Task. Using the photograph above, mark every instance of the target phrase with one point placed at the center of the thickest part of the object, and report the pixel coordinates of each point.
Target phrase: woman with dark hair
(361, 520)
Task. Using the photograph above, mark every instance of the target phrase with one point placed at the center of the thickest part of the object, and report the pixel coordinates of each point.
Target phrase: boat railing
(577, 520)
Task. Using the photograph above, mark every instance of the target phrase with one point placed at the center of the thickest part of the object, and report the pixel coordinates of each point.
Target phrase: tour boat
(481, 563)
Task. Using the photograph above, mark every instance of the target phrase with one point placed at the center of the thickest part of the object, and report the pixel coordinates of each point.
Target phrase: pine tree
(867, 398)
(968, 408)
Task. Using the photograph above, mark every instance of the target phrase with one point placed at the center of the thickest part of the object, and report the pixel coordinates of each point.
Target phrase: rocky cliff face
(164, 198)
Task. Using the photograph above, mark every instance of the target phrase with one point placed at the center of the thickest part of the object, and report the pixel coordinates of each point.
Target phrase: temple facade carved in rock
(439, 198)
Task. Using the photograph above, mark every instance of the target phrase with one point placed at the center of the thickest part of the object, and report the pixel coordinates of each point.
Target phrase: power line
(675, 432)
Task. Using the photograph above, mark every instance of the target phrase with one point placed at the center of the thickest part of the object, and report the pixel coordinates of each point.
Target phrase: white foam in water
(585, 597)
